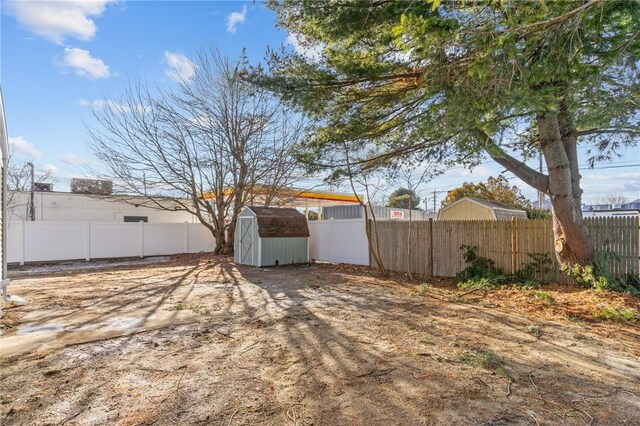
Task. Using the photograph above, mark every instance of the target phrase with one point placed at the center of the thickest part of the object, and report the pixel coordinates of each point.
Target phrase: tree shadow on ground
(299, 345)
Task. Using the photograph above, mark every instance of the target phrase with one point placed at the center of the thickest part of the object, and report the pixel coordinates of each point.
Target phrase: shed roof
(494, 204)
(280, 222)
(500, 211)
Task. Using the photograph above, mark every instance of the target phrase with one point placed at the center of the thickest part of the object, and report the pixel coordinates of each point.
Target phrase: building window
(136, 218)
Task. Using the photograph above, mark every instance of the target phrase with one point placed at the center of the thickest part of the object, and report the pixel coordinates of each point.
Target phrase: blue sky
(57, 59)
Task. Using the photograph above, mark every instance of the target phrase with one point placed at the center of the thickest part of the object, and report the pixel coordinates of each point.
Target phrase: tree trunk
(572, 242)
(227, 246)
(558, 142)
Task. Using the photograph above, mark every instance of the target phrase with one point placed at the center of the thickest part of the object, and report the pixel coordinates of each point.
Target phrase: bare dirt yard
(199, 340)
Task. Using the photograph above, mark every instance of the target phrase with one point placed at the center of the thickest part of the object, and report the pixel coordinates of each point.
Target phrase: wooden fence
(435, 245)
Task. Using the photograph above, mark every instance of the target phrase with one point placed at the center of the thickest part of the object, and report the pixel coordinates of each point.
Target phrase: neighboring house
(546, 203)
(609, 210)
(611, 213)
(598, 207)
(634, 205)
(469, 208)
(72, 207)
(381, 213)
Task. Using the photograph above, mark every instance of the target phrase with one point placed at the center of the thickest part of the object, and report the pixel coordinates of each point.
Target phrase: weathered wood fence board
(435, 245)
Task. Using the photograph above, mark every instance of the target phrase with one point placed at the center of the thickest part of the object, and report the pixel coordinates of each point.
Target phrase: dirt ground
(198, 340)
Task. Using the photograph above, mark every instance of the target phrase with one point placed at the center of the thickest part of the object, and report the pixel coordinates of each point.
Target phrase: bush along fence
(437, 246)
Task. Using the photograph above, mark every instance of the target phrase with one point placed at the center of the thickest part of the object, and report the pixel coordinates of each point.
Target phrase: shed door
(246, 240)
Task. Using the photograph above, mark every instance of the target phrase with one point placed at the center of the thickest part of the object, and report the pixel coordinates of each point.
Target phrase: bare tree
(616, 199)
(412, 180)
(205, 146)
(361, 177)
(19, 180)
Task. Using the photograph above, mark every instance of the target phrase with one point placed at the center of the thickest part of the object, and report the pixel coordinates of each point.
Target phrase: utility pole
(434, 200)
(31, 211)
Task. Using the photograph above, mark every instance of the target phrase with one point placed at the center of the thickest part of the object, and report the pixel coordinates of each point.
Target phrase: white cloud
(115, 106)
(235, 18)
(311, 52)
(83, 64)
(598, 185)
(49, 169)
(179, 67)
(73, 159)
(21, 145)
(57, 20)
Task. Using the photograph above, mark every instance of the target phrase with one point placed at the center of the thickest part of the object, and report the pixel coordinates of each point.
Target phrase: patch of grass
(484, 284)
(423, 289)
(179, 306)
(533, 329)
(484, 359)
(615, 313)
(544, 296)
(5, 399)
(225, 280)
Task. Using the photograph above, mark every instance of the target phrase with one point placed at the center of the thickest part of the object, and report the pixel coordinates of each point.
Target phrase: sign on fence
(396, 214)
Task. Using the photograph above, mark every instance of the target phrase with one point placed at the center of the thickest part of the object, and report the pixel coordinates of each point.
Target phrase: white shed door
(246, 240)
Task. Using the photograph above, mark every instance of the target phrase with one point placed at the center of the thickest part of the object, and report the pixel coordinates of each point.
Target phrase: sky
(60, 58)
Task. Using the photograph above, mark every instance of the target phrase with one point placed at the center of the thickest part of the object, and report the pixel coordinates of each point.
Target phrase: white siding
(63, 206)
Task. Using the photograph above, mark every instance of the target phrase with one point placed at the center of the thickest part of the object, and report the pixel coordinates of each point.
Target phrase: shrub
(423, 289)
(598, 275)
(482, 272)
(477, 266)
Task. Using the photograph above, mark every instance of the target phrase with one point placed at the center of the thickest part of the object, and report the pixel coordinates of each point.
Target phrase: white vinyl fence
(51, 241)
(339, 241)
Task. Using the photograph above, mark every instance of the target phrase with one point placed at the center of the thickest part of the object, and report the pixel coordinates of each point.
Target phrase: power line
(615, 165)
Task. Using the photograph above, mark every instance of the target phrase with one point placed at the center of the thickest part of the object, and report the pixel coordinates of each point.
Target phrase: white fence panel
(320, 240)
(42, 241)
(114, 240)
(15, 250)
(339, 241)
(164, 238)
(199, 238)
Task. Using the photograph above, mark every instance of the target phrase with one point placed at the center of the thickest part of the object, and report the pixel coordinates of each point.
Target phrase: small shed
(267, 236)
(469, 208)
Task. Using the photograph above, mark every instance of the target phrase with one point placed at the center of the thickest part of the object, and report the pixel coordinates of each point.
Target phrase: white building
(70, 207)
(611, 213)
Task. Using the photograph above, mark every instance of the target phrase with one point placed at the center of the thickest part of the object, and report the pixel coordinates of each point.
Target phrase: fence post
(186, 237)
(23, 245)
(514, 245)
(331, 240)
(431, 247)
(141, 234)
(87, 241)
